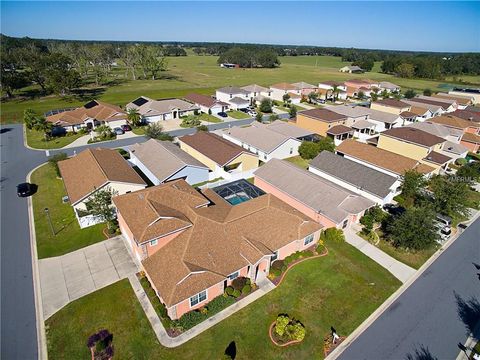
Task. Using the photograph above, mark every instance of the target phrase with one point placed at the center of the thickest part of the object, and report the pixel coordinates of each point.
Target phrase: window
(153, 242)
(233, 276)
(274, 256)
(291, 150)
(308, 239)
(265, 157)
(196, 299)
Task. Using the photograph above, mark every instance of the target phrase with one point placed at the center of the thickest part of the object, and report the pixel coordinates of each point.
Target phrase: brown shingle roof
(94, 109)
(418, 110)
(323, 115)
(472, 138)
(339, 130)
(459, 99)
(93, 168)
(413, 135)
(214, 147)
(408, 114)
(467, 115)
(437, 158)
(453, 121)
(203, 100)
(393, 103)
(443, 105)
(383, 159)
(284, 86)
(220, 240)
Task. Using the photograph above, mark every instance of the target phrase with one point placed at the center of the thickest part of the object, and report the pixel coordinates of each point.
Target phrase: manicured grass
(68, 236)
(414, 259)
(341, 289)
(202, 74)
(114, 308)
(36, 140)
(139, 130)
(238, 114)
(474, 199)
(299, 161)
(209, 118)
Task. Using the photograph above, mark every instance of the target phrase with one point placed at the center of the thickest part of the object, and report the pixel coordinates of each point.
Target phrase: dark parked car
(222, 114)
(25, 189)
(126, 128)
(118, 131)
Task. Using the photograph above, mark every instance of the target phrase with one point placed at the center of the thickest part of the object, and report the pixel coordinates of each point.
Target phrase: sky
(422, 26)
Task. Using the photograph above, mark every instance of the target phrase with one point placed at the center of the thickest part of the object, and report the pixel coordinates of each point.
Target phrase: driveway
(76, 274)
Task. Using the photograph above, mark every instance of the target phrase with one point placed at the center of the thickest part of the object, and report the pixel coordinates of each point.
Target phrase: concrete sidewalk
(401, 271)
(264, 287)
(81, 272)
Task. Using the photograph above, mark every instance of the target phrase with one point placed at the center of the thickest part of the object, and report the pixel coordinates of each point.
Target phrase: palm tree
(312, 97)
(286, 99)
(45, 126)
(134, 117)
(335, 93)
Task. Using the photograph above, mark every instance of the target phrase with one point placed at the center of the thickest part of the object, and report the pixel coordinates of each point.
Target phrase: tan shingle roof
(203, 100)
(323, 115)
(453, 121)
(392, 103)
(220, 240)
(283, 86)
(93, 168)
(383, 159)
(214, 147)
(339, 130)
(472, 138)
(94, 109)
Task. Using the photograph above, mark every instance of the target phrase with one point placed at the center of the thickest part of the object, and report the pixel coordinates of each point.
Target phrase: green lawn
(209, 118)
(414, 259)
(115, 308)
(68, 236)
(299, 161)
(36, 140)
(201, 74)
(238, 114)
(341, 289)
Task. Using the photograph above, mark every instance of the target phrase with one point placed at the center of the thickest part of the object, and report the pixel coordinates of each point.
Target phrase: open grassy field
(68, 235)
(202, 74)
(341, 289)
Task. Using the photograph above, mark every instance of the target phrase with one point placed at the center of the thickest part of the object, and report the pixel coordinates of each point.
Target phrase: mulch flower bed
(329, 346)
(275, 339)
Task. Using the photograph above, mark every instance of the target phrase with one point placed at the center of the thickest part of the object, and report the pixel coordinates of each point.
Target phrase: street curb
(381, 309)
(41, 334)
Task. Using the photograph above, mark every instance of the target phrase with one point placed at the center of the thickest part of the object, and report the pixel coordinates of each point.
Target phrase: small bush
(190, 319)
(246, 289)
(332, 234)
(308, 253)
(202, 128)
(277, 265)
(461, 162)
(239, 283)
(53, 160)
(236, 293)
(288, 260)
(219, 303)
(229, 291)
(274, 273)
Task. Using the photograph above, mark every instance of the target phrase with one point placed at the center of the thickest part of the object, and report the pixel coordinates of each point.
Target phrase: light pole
(49, 220)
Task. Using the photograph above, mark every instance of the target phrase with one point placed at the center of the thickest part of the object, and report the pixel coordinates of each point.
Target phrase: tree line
(250, 57)
(59, 67)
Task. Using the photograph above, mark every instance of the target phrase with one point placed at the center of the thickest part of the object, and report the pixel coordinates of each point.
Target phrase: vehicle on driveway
(126, 127)
(118, 131)
(222, 114)
(25, 189)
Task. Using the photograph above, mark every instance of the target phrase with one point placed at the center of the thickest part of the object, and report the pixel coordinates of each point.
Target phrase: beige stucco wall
(120, 188)
(197, 155)
(410, 150)
(249, 161)
(316, 126)
(391, 110)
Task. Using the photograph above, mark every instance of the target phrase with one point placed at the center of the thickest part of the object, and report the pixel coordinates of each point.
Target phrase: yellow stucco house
(222, 157)
(415, 144)
(319, 121)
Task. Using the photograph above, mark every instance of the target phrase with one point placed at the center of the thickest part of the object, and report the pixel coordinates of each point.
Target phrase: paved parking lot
(71, 276)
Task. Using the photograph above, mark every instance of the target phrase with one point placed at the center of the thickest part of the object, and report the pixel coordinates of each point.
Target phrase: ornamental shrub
(229, 291)
(239, 283)
(278, 265)
(246, 289)
(288, 260)
(190, 319)
(332, 234)
(236, 293)
(281, 324)
(296, 331)
(308, 253)
(219, 303)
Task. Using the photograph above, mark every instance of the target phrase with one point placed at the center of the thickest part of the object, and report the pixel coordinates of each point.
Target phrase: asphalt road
(18, 319)
(426, 316)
